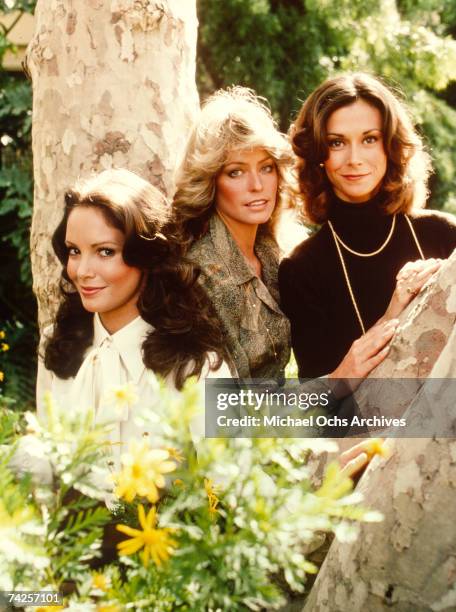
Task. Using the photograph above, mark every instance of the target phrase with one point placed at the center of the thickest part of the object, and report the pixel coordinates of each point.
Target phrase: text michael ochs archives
(297, 408)
(320, 420)
(280, 410)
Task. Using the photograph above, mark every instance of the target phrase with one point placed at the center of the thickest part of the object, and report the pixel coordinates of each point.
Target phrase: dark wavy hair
(408, 165)
(185, 329)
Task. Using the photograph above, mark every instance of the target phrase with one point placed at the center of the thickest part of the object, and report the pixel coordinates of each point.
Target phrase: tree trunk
(407, 563)
(424, 331)
(113, 86)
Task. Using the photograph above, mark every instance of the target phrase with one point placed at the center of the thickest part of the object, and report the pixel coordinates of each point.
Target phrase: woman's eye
(268, 168)
(72, 251)
(371, 139)
(335, 144)
(106, 252)
(234, 173)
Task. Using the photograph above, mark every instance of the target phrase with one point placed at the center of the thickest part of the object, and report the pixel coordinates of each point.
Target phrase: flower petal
(145, 555)
(152, 494)
(142, 516)
(151, 518)
(129, 530)
(131, 546)
(167, 466)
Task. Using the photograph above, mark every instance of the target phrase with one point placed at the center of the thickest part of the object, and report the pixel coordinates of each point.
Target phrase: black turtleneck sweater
(313, 290)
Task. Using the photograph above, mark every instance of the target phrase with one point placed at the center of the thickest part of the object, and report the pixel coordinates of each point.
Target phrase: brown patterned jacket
(257, 331)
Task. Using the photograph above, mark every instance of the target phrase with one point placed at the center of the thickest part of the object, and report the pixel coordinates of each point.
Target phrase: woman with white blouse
(130, 307)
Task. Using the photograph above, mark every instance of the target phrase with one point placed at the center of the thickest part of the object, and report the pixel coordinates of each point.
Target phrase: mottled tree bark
(407, 563)
(424, 331)
(113, 86)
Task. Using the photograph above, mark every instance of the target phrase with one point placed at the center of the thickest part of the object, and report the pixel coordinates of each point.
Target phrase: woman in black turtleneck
(363, 174)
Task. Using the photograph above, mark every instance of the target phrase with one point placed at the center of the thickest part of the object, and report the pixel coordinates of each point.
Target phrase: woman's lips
(89, 291)
(354, 177)
(257, 203)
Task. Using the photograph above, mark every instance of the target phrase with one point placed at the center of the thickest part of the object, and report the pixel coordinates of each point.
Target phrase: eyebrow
(241, 163)
(364, 133)
(95, 244)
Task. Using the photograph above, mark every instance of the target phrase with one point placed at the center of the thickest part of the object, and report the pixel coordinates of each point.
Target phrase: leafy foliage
(233, 517)
(16, 365)
(16, 196)
(284, 49)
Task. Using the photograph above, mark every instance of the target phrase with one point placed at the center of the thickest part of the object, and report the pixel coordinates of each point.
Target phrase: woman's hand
(355, 459)
(410, 280)
(365, 354)
(370, 350)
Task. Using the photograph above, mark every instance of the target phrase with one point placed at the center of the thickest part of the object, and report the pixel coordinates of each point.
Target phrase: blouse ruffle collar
(126, 342)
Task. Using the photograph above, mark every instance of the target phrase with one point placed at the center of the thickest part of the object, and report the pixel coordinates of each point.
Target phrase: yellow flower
(108, 608)
(2, 376)
(211, 496)
(100, 582)
(156, 542)
(10, 522)
(4, 346)
(175, 453)
(49, 608)
(335, 483)
(125, 394)
(2, 334)
(123, 397)
(142, 472)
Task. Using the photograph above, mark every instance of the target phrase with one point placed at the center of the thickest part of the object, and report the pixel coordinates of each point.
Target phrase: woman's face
(246, 187)
(97, 269)
(357, 161)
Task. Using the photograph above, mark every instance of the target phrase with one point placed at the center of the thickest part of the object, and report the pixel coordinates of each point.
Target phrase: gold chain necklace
(339, 242)
(415, 237)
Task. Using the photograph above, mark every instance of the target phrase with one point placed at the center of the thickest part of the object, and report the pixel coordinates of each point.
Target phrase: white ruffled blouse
(115, 383)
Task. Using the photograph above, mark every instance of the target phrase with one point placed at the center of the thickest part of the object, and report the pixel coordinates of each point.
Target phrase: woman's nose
(85, 267)
(255, 184)
(354, 155)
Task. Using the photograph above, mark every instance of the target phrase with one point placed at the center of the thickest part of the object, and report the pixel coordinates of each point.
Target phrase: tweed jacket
(257, 332)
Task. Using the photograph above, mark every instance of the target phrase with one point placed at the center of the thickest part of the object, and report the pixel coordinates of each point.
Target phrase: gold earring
(321, 164)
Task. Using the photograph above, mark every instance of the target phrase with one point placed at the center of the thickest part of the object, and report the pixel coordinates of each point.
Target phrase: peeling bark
(113, 86)
(425, 327)
(407, 563)
(420, 339)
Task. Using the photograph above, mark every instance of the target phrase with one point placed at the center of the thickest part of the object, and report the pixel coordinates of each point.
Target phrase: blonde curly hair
(231, 119)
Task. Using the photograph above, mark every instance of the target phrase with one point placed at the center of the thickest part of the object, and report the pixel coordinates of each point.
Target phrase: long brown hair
(408, 165)
(185, 331)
